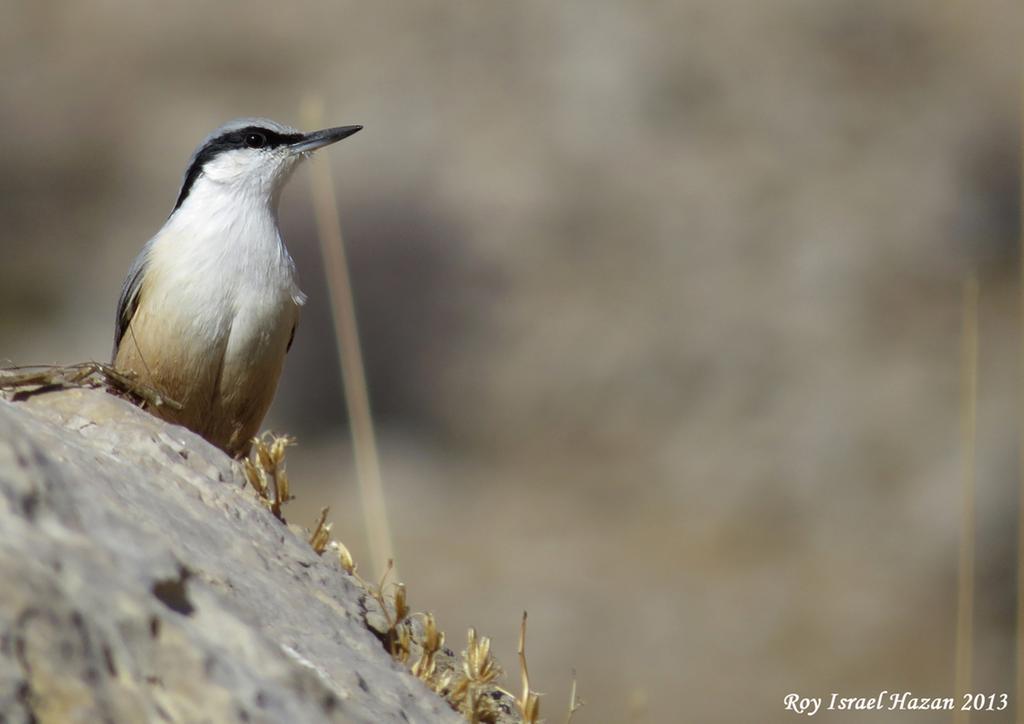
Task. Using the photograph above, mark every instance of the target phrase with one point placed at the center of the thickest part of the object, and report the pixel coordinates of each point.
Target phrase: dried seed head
(321, 533)
(264, 469)
(344, 557)
(433, 639)
(430, 644)
(401, 644)
(263, 455)
(283, 491)
(477, 664)
(401, 605)
(443, 682)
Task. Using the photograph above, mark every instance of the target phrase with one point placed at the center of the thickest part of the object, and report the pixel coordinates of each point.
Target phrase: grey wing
(129, 300)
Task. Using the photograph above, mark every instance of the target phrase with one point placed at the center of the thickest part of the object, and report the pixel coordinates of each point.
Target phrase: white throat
(224, 246)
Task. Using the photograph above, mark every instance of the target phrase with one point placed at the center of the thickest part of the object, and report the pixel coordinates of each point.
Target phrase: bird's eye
(255, 140)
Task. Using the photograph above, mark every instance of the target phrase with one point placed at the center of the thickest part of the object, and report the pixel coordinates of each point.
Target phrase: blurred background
(660, 303)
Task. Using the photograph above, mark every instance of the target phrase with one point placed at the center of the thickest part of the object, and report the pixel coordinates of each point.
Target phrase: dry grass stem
(529, 701)
(357, 399)
(388, 567)
(575, 703)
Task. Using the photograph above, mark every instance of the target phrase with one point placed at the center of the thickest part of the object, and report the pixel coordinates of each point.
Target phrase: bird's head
(251, 158)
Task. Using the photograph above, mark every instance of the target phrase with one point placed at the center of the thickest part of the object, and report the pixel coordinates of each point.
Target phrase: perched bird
(209, 307)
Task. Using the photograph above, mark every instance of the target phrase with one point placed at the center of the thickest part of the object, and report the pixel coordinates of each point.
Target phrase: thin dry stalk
(389, 566)
(968, 441)
(529, 701)
(346, 332)
(575, 703)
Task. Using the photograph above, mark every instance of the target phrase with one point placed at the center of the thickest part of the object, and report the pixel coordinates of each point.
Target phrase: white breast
(222, 272)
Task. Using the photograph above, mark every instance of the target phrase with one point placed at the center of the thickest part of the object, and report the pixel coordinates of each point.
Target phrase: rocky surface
(143, 582)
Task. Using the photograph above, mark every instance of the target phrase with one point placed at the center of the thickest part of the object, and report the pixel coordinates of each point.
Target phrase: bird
(208, 310)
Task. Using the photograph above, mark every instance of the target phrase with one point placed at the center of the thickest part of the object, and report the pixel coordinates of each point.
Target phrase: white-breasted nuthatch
(209, 307)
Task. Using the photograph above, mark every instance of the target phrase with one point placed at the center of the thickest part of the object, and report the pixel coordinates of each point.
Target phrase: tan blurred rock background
(660, 303)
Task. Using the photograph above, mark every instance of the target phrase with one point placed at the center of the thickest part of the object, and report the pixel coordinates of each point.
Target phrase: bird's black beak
(319, 139)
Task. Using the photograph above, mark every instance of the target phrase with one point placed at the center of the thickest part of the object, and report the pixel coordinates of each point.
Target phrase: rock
(143, 582)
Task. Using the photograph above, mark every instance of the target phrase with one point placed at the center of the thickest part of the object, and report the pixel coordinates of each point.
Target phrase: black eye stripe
(237, 139)
(229, 141)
